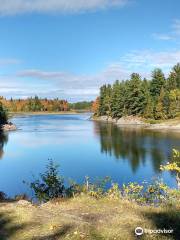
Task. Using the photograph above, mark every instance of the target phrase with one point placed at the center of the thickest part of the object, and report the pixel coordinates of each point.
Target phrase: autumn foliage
(35, 104)
(95, 105)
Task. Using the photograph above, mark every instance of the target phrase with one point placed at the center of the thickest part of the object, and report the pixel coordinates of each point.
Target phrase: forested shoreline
(36, 104)
(157, 98)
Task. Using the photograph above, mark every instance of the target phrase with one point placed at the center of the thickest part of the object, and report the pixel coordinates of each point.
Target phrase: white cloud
(173, 34)
(146, 59)
(75, 87)
(11, 7)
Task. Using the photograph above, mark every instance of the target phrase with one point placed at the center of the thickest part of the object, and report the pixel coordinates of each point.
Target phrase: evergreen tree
(117, 100)
(105, 100)
(102, 108)
(3, 114)
(176, 70)
(136, 99)
(157, 82)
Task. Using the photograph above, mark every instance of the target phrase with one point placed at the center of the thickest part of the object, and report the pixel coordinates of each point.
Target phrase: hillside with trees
(157, 98)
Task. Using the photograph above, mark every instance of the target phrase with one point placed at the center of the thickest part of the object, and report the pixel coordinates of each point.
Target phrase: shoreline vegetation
(90, 211)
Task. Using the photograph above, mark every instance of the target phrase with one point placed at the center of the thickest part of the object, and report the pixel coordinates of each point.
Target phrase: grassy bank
(84, 217)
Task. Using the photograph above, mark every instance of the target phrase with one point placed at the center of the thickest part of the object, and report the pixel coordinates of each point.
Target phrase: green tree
(174, 107)
(176, 70)
(160, 110)
(158, 81)
(105, 100)
(171, 81)
(50, 184)
(34, 104)
(118, 99)
(149, 109)
(3, 114)
(135, 96)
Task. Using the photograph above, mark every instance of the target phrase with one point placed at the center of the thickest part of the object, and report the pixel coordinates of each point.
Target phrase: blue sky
(68, 49)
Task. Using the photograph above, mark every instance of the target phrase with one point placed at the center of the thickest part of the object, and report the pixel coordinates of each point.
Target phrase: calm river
(81, 147)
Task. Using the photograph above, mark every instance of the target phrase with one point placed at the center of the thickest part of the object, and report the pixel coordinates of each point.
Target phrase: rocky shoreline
(8, 127)
(132, 121)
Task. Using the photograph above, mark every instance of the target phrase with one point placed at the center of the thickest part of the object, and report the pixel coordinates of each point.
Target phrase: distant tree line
(158, 98)
(35, 104)
(84, 105)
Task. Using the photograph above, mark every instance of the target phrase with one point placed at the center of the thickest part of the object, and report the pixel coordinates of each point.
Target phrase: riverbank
(87, 218)
(170, 124)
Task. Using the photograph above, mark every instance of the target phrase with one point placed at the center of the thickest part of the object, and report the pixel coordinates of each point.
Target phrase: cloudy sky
(67, 49)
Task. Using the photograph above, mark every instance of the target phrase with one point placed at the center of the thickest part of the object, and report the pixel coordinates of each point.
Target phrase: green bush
(50, 185)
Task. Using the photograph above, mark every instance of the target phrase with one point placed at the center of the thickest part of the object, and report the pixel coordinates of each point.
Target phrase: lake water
(81, 147)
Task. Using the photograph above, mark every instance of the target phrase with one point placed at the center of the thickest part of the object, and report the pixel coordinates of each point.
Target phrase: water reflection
(3, 140)
(137, 145)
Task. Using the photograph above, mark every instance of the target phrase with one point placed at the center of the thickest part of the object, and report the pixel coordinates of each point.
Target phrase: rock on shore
(9, 127)
(134, 121)
(128, 120)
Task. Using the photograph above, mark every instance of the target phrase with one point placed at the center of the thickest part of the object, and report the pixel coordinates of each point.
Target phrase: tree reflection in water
(136, 144)
(3, 140)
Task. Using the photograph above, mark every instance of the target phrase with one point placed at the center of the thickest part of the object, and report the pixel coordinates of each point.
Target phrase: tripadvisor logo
(140, 231)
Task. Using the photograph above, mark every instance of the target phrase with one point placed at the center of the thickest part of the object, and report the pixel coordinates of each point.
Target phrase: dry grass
(85, 218)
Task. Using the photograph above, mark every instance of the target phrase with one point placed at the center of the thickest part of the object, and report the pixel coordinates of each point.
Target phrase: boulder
(9, 127)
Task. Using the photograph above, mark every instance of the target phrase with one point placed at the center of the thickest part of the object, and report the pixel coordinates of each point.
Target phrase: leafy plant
(132, 190)
(114, 192)
(50, 185)
(174, 166)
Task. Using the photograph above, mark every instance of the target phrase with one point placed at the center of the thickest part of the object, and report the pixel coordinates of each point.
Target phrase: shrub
(50, 185)
(174, 166)
(114, 192)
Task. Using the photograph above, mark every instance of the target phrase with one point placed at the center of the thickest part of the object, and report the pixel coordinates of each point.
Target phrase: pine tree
(157, 82)
(176, 70)
(135, 98)
(105, 100)
(117, 100)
